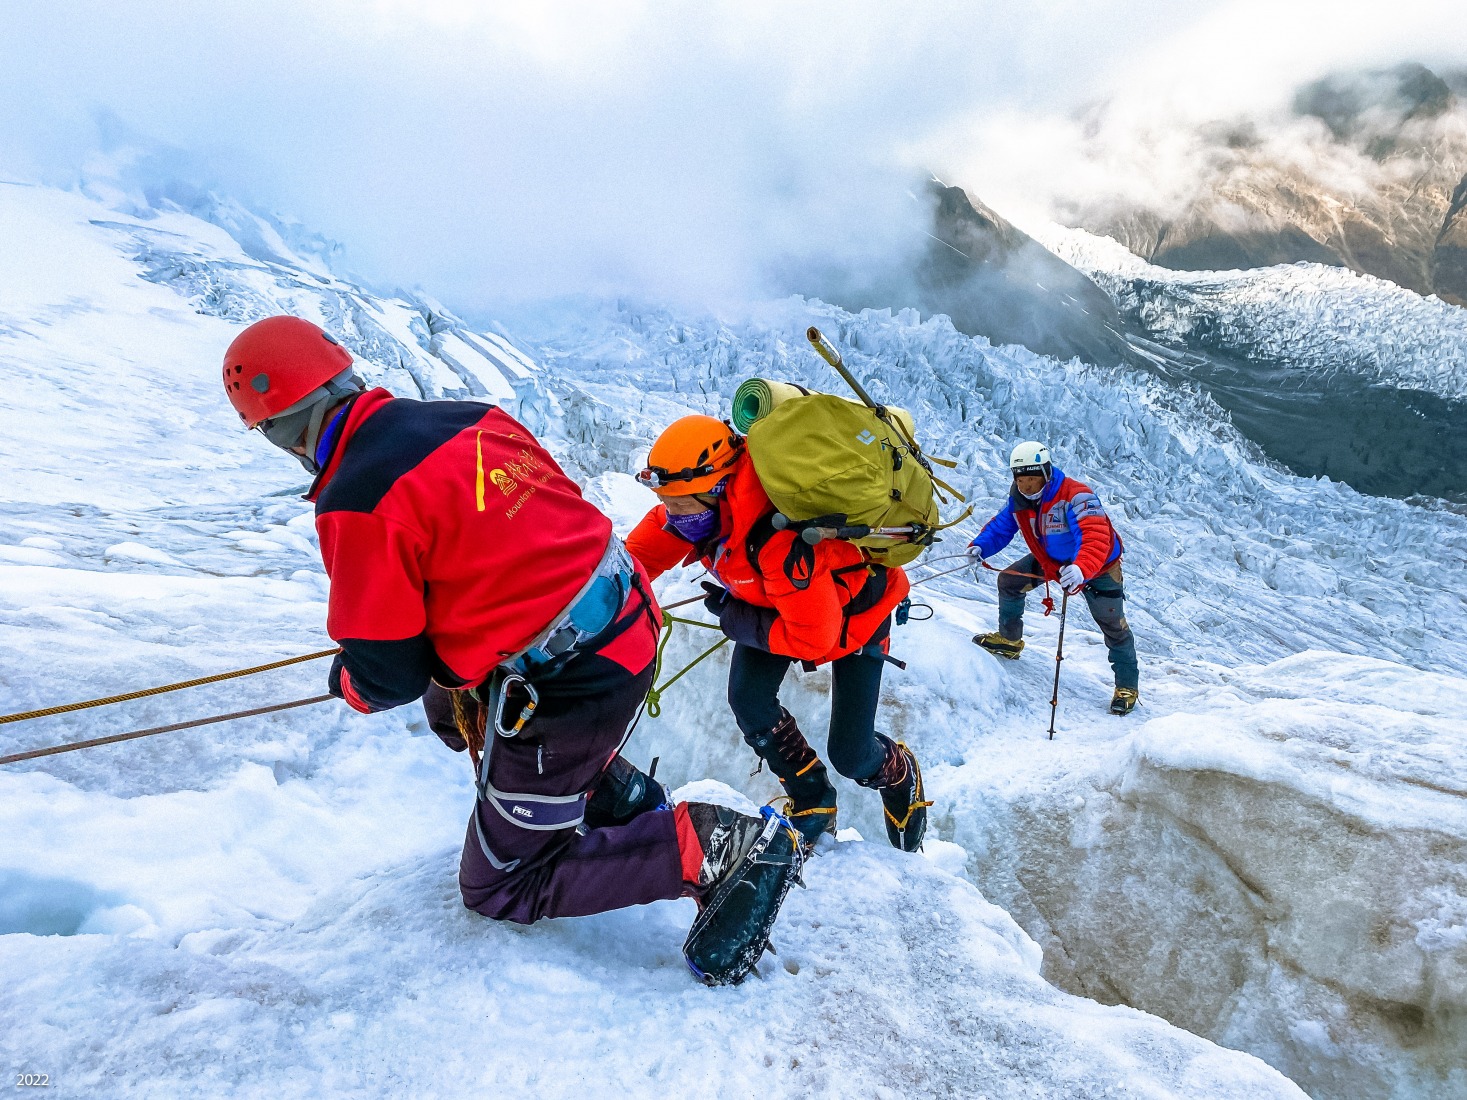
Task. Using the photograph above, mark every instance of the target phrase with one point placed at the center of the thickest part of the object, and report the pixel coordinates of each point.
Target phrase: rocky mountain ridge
(1368, 171)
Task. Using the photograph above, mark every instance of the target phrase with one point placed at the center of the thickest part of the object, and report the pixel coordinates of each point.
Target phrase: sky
(497, 152)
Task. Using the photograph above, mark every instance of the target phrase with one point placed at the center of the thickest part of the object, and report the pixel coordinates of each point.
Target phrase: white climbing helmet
(1030, 458)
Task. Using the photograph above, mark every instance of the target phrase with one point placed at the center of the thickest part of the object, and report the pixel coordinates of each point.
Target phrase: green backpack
(837, 469)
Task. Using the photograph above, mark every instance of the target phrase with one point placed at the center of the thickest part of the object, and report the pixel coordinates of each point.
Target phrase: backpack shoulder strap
(799, 563)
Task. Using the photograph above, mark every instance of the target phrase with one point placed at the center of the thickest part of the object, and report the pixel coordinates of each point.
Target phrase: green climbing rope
(654, 696)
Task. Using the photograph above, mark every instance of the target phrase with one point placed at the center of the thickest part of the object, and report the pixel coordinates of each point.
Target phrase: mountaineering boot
(811, 796)
(1124, 701)
(740, 868)
(1000, 646)
(712, 840)
(899, 780)
(811, 808)
(624, 792)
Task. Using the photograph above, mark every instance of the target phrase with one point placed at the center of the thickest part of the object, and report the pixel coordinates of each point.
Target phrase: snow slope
(269, 906)
(1317, 318)
(387, 986)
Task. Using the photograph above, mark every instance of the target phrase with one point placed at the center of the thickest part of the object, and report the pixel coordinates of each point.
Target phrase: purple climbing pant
(524, 857)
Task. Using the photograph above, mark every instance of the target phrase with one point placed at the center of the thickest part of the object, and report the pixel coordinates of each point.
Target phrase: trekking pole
(1059, 656)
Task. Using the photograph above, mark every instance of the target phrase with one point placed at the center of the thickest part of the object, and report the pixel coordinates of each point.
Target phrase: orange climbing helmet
(692, 455)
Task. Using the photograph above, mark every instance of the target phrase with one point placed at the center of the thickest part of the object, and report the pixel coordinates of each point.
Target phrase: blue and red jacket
(452, 539)
(1066, 524)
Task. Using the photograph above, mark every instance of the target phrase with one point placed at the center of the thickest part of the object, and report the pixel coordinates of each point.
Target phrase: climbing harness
(586, 619)
(476, 709)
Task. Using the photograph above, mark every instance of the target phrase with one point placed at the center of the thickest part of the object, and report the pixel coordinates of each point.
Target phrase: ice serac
(1308, 317)
(1449, 260)
(1285, 872)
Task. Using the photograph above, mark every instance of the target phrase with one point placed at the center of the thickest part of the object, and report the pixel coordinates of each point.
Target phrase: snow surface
(1310, 316)
(269, 907)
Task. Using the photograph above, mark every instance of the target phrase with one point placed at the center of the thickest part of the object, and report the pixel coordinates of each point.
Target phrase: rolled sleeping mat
(757, 398)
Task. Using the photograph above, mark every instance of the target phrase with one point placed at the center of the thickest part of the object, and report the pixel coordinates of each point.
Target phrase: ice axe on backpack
(827, 352)
(842, 469)
(897, 424)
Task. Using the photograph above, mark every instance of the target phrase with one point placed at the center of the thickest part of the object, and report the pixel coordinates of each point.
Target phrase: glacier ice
(273, 899)
(1316, 318)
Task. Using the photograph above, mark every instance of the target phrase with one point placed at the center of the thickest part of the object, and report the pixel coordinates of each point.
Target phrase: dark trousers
(853, 750)
(1105, 595)
(521, 871)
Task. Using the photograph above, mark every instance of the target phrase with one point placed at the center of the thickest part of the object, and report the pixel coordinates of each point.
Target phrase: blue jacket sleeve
(997, 532)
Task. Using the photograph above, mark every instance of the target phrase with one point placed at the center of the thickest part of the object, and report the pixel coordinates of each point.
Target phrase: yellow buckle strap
(913, 808)
(918, 802)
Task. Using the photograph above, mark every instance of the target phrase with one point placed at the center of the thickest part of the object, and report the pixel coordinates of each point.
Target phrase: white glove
(974, 554)
(1071, 579)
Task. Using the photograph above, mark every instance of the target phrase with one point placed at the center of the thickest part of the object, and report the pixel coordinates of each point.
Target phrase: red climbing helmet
(278, 361)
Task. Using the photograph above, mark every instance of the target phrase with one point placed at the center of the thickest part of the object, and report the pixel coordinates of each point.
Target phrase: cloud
(493, 152)
(1168, 109)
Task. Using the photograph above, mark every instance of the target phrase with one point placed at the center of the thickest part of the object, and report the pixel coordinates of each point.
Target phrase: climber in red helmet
(463, 559)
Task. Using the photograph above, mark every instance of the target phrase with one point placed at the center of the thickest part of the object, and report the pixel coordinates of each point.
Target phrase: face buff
(696, 527)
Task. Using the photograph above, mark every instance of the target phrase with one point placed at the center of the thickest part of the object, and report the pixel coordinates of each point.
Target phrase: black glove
(438, 708)
(452, 738)
(717, 596)
(746, 624)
